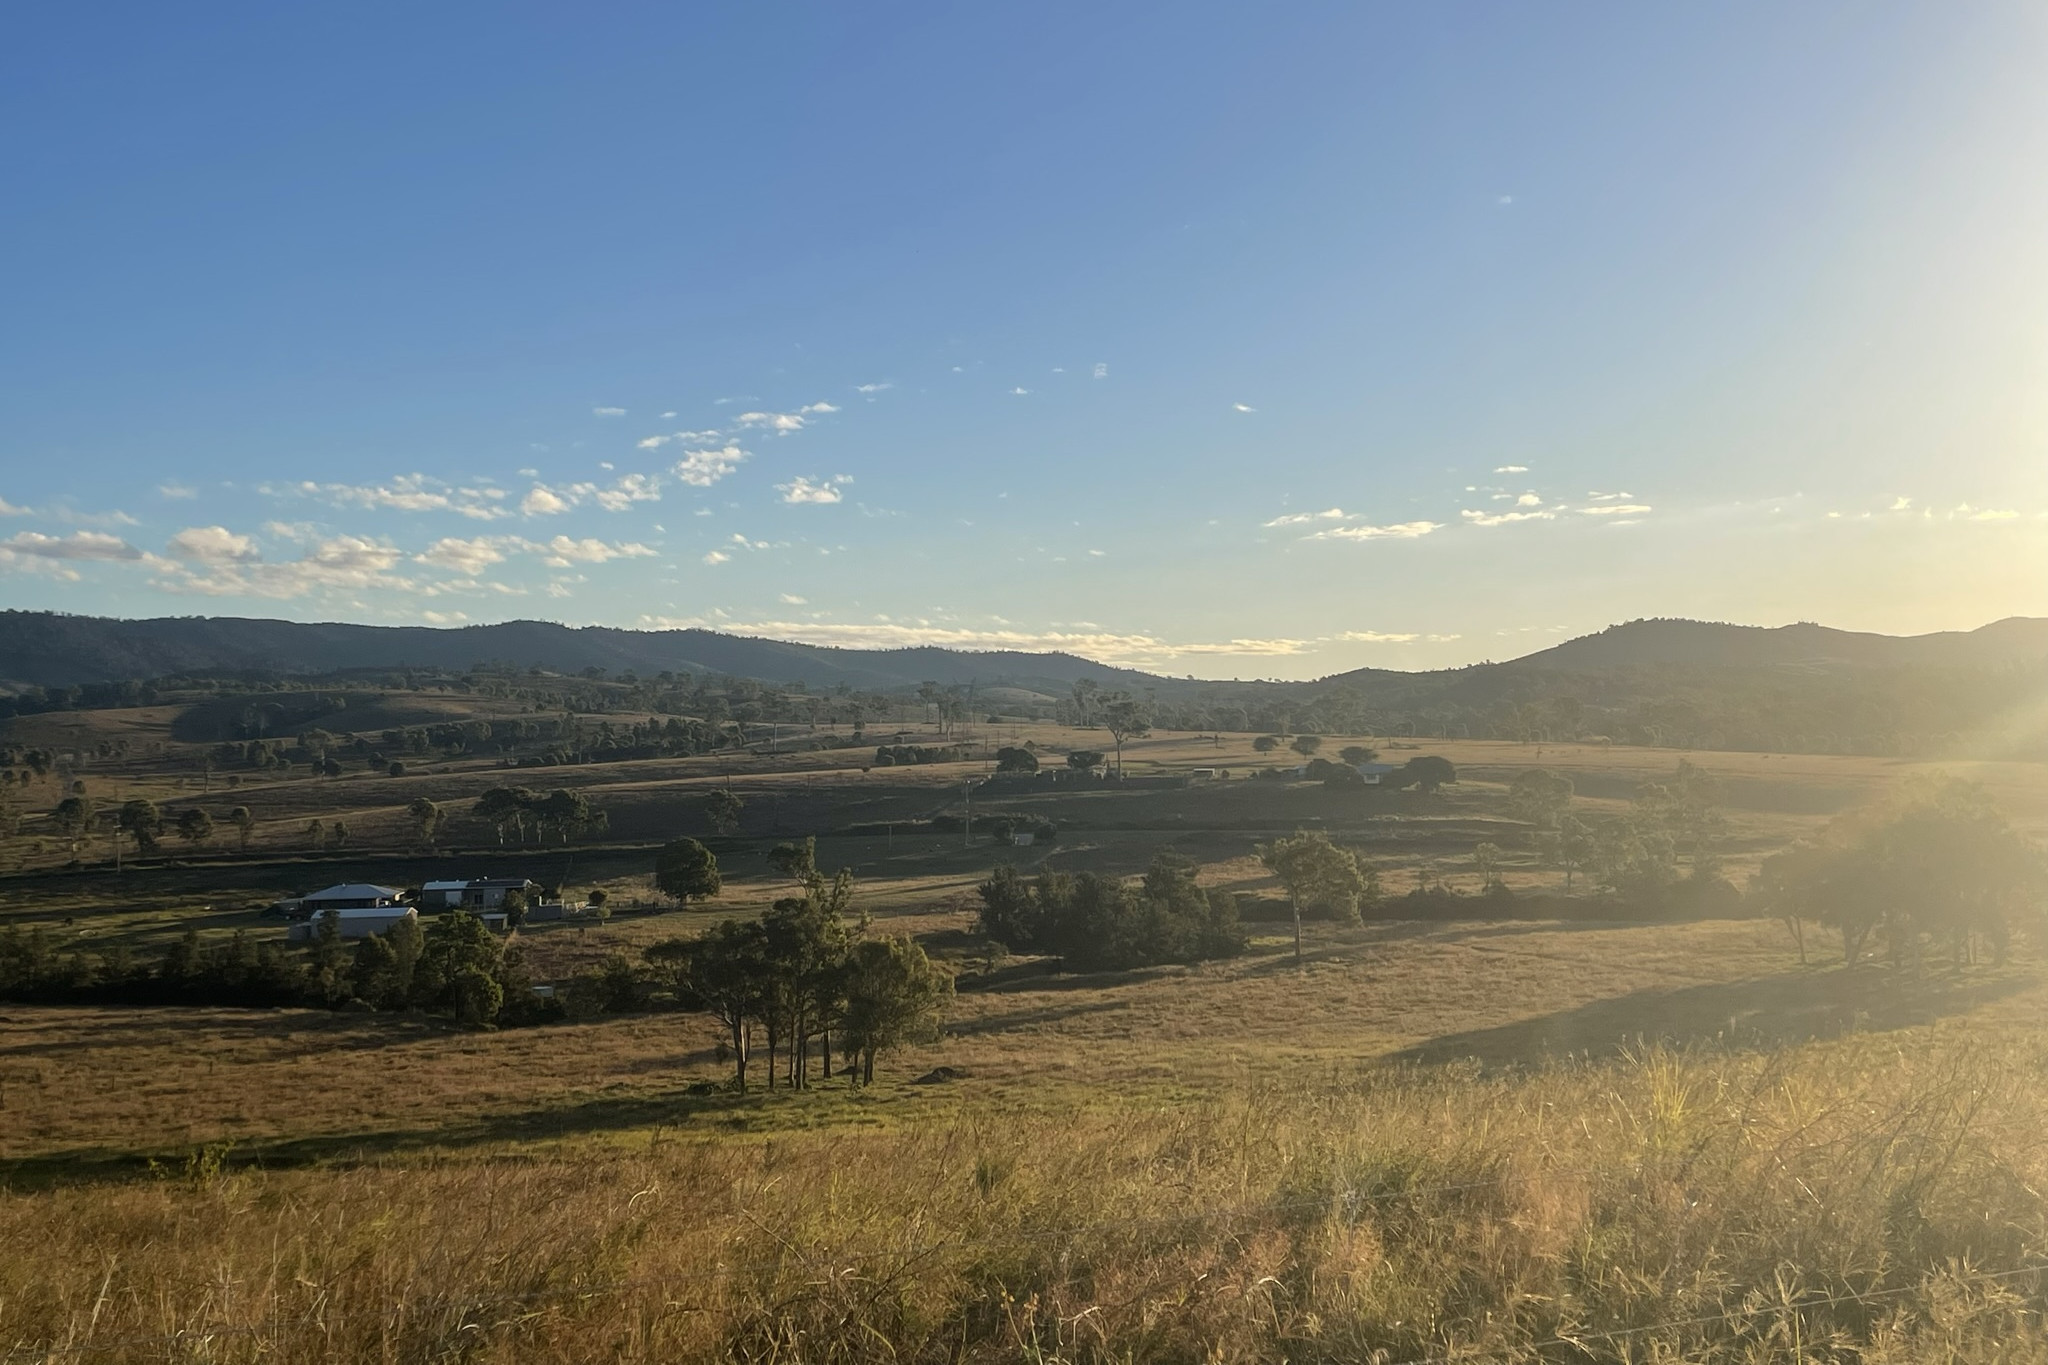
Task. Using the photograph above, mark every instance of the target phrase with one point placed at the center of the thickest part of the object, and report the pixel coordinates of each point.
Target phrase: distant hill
(45, 649)
(2017, 639)
(49, 650)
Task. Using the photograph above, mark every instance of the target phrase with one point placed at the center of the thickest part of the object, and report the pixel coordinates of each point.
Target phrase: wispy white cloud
(212, 545)
(626, 491)
(685, 437)
(405, 493)
(790, 599)
(1243, 407)
(607, 412)
(1616, 509)
(803, 490)
(872, 388)
(1405, 530)
(1101, 370)
(562, 552)
(1902, 504)
(341, 564)
(784, 423)
(1511, 469)
(1528, 500)
(1137, 650)
(8, 509)
(1302, 518)
(1476, 518)
(716, 557)
(468, 557)
(1020, 390)
(541, 501)
(545, 500)
(176, 491)
(702, 468)
(95, 545)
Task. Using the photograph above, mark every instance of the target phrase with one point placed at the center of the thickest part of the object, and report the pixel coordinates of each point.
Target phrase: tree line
(802, 975)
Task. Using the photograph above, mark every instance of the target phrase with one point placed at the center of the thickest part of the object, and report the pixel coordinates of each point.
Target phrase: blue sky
(1237, 341)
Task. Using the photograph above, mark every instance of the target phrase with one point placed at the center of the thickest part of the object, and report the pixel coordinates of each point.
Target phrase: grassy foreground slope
(1226, 1163)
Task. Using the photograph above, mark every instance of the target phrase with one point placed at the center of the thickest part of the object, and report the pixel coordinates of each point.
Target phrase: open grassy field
(1462, 1138)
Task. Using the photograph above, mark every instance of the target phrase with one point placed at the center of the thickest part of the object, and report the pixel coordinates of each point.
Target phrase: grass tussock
(1868, 1198)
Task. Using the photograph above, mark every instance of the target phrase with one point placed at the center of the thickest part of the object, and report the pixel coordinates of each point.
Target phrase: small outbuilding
(355, 922)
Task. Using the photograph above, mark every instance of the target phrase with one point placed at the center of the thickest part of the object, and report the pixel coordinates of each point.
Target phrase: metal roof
(354, 891)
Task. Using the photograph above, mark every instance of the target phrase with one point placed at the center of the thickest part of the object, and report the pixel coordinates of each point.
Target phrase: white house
(358, 921)
(488, 893)
(349, 896)
(1372, 774)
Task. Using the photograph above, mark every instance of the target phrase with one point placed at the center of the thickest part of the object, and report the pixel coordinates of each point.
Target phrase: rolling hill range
(43, 649)
(2017, 639)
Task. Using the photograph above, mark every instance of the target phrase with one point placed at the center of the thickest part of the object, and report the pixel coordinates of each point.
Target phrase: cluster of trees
(78, 817)
(1938, 866)
(454, 967)
(799, 977)
(523, 812)
(1668, 840)
(1094, 923)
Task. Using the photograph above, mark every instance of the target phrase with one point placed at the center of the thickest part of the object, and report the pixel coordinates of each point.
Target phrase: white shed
(355, 922)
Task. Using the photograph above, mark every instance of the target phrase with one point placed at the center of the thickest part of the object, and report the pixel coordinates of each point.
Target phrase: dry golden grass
(1848, 1198)
(1459, 1140)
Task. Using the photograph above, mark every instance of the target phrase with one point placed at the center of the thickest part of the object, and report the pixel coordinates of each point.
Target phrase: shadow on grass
(689, 1113)
(1791, 1007)
(304, 1031)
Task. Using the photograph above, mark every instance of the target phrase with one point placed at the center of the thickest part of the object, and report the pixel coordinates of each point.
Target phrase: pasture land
(1556, 1136)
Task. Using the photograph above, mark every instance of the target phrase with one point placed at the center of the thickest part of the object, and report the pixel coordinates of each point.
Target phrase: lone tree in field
(143, 822)
(893, 995)
(798, 862)
(427, 819)
(1306, 744)
(195, 827)
(1541, 797)
(1317, 873)
(727, 971)
(1010, 759)
(1086, 690)
(685, 868)
(1126, 718)
(723, 808)
(72, 819)
(244, 821)
(1357, 755)
(1426, 772)
(1266, 744)
(1081, 760)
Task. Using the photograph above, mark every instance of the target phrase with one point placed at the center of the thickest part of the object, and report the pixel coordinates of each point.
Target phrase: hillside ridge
(49, 649)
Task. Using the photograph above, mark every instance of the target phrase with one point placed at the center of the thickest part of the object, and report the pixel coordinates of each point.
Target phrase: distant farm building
(350, 896)
(442, 895)
(355, 922)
